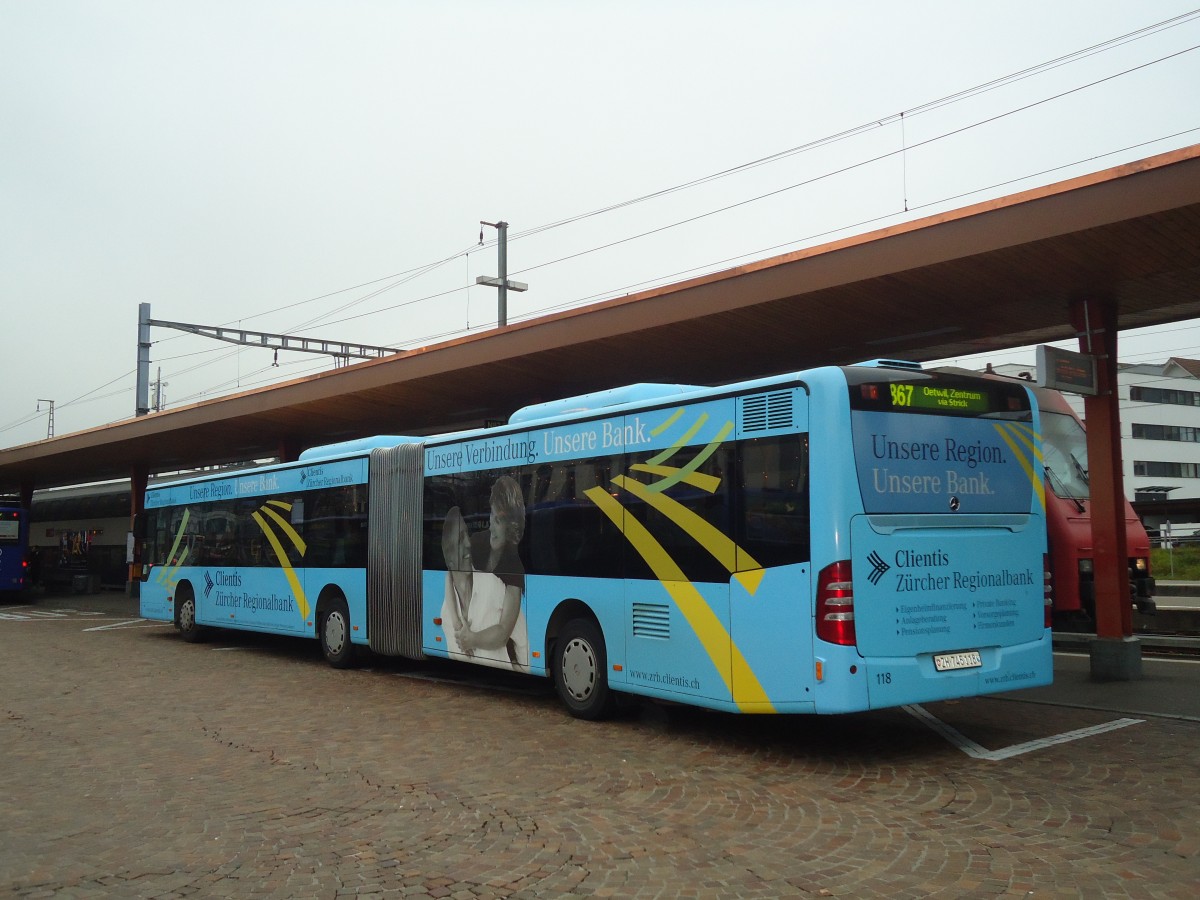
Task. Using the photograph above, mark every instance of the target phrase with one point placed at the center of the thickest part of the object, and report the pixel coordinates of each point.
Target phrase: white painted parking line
(136, 623)
(977, 751)
(28, 614)
(32, 614)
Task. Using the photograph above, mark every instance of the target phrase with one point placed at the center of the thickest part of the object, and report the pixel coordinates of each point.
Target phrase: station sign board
(1062, 370)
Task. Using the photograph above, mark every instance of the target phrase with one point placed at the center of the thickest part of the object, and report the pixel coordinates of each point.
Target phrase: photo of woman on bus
(482, 613)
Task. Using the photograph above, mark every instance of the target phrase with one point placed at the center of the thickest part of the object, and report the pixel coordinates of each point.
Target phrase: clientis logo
(879, 568)
(222, 579)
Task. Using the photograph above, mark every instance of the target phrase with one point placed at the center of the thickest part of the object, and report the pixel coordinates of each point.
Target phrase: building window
(1161, 395)
(1166, 469)
(1166, 433)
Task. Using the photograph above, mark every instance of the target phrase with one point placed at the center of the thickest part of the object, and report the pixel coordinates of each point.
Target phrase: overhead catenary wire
(81, 398)
(955, 97)
(400, 278)
(855, 226)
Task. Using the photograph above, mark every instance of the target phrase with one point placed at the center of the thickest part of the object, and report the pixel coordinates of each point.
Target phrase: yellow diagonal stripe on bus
(281, 504)
(284, 562)
(655, 432)
(297, 541)
(1029, 438)
(708, 483)
(1032, 440)
(699, 460)
(708, 628)
(167, 575)
(706, 534)
(162, 573)
(670, 451)
(1036, 477)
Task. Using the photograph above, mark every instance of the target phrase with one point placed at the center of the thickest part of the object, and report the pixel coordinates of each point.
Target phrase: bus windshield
(10, 527)
(1064, 452)
(936, 444)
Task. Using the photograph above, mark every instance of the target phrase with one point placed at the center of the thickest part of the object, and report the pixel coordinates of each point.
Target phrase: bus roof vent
(891, 364)
(767, 412)
(584, 403)
(360, 447)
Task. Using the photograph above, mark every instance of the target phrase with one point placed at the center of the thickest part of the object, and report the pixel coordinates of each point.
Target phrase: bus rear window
(10, 529)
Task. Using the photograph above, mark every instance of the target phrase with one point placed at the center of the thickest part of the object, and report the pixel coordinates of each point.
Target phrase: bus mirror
(139, 526)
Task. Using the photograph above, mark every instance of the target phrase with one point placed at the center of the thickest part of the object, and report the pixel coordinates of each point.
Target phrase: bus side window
(567, 534)
(709, 498)
(775, 529)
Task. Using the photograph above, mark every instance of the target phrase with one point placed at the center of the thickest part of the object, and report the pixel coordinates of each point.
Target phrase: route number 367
(901, 394)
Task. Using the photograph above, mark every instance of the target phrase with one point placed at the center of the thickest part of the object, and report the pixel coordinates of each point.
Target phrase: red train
(1069, 519)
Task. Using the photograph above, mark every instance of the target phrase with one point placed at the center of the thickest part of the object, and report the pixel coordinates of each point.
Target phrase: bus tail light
(1047, 592)
(835, 604)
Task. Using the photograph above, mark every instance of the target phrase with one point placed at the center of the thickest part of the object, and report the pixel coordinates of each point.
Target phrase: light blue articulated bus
(829, 541)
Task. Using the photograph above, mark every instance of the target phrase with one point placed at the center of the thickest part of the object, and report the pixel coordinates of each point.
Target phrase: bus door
(678, 491)
(770, 602)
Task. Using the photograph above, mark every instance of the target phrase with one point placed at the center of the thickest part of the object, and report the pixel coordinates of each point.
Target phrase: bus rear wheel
(335, 634)
(185, 615)
(581, 670)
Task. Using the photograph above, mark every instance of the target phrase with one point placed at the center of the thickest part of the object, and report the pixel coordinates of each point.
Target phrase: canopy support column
(1115, 654)
(139, 477)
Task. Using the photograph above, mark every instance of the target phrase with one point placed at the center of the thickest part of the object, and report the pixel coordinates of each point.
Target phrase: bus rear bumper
(900, 681)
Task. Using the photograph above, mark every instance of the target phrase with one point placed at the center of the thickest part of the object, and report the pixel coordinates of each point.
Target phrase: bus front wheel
(335, 635)
(185, 615)
(580, 670)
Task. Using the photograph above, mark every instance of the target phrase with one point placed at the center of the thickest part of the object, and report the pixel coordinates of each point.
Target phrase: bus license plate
(945, 662)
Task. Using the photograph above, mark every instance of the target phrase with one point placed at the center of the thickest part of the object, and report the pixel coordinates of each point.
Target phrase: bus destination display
(936, 397)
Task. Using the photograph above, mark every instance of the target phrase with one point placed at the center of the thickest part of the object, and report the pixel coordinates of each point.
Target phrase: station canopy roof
(998, 274)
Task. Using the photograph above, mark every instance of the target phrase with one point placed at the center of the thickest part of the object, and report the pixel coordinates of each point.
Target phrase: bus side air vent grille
(651, 620)
(767, 412)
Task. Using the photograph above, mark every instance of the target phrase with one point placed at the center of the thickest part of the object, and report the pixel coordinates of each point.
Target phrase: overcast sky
(294, 167)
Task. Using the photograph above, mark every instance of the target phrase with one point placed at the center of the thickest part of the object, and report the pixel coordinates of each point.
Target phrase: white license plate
(945, 662)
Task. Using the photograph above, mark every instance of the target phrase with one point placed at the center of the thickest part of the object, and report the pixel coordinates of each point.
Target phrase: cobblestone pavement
(135, 765)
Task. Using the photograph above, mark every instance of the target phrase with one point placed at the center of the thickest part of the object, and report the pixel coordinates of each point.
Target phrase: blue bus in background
(828, 541)
(14, 549)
